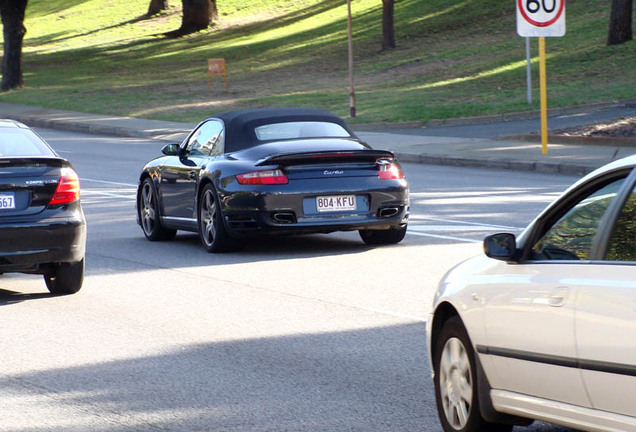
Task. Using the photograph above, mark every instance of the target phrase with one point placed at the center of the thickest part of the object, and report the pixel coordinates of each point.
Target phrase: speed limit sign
(537, 18)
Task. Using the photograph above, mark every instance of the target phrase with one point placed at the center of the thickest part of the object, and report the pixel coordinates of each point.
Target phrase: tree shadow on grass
(46, 39)
(55, 7)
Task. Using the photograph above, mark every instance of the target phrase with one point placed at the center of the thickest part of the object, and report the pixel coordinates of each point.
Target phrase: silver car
(544, 326)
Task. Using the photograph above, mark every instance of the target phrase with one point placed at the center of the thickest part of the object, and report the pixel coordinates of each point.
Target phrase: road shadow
(370, 380)
(8, 297)
(135, 252)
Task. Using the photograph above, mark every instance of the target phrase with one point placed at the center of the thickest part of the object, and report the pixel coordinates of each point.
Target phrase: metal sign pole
(529, 71)
(352, 94)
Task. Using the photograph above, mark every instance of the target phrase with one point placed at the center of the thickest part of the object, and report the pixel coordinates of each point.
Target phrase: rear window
(22, 142)
(301, 129)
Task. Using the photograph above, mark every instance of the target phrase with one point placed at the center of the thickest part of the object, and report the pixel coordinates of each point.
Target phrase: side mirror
(170, 149)
(502, 246)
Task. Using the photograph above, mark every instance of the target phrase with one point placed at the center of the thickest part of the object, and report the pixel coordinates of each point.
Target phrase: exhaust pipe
(284, 217)
(388, 212)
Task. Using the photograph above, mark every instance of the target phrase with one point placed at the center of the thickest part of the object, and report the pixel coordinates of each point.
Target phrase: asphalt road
(313, 333)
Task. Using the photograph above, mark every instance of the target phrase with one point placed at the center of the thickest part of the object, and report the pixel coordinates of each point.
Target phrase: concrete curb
(504, 164)
(494, 118)
(569, 139)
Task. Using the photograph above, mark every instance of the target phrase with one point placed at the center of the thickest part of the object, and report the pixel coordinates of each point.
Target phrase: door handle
(558, 297)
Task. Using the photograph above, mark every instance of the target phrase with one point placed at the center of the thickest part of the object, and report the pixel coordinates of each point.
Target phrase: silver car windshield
(302, 129)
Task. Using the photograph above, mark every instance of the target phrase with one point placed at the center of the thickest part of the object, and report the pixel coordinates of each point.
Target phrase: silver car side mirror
(501, 246)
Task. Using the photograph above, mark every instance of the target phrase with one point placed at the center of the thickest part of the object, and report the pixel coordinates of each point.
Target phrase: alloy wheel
(456, 387)
(208, 217)
(148, 216)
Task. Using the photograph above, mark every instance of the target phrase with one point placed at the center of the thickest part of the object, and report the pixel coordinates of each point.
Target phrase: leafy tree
(12, 13)
(157, 6)
(620, 27)
(197, 15)
(388, 33)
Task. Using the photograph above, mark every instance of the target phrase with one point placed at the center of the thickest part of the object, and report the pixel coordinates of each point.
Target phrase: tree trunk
(388, 33)
(620, 27)
(12, 13)
(157, 6)
(214, 12)
(197, 15)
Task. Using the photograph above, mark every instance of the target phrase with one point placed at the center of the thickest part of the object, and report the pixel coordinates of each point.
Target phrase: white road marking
(454, 226)
(472, 223)
(108, 194)
(107, 182)
(111, 193)
(438, 228)
(467, 240)
(394, 314)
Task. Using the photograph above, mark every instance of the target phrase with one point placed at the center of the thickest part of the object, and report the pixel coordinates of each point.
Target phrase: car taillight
(389, 170)
(68, 188)
(266, 177)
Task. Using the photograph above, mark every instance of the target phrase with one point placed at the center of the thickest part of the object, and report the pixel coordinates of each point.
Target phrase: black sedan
(42, 225)
(272, 171)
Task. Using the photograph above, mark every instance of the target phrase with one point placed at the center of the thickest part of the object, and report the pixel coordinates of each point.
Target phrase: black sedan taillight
(68, 188)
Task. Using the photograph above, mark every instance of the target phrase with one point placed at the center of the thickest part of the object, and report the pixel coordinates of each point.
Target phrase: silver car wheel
(208, 217)
(148, 216)
(456, 387)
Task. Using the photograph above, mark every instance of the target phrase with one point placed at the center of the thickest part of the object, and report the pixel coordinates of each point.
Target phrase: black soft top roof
(239, 125)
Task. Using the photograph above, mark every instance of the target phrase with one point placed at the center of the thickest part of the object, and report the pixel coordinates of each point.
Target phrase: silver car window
(571, 237)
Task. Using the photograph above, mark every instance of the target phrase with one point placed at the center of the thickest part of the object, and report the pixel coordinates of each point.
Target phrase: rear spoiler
(52, 161)
(325, 157)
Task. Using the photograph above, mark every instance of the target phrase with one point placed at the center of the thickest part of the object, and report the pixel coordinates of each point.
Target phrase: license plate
(335, 203)
(7, 201)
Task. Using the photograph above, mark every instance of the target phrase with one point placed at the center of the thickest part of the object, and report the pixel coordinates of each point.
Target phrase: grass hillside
(453, 58)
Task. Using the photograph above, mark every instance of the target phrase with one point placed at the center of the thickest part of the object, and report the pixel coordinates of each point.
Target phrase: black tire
(456, 391)
(65, 278)
(212, 231)
(148, 208)
(383, 237)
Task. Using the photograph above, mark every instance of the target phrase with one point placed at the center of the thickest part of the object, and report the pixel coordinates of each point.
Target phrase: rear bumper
(32, 245)
(253, 223)
(295, 212)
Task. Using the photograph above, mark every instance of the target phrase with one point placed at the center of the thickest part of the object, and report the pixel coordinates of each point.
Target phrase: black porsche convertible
(272, 171)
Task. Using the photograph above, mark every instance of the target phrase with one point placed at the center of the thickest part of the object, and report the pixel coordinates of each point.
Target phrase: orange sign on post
(216, 67)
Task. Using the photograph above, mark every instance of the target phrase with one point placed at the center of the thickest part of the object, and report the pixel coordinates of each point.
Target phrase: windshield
(300, 129)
